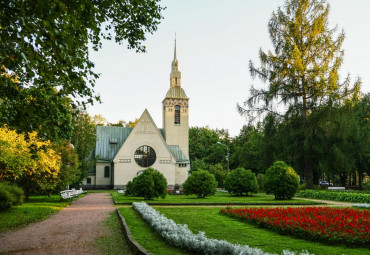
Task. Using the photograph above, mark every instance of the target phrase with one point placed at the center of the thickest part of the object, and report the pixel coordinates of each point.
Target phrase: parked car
(325, 184)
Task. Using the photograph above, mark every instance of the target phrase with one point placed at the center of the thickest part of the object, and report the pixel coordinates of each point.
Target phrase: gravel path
(70, 231)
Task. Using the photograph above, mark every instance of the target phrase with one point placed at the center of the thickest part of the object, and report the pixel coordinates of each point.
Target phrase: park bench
(67, 194)
(336, 188)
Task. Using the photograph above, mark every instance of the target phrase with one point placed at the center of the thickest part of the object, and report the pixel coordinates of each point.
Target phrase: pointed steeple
(175, 76)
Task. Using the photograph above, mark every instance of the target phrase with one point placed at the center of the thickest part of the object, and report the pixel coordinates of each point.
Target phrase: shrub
(200, 183)
(280, 180)
(129, 189)
(6, 199)
(366, 186)
(241, 181)
(17, 194)
(336, 195)
(10, 195)
(149, 184)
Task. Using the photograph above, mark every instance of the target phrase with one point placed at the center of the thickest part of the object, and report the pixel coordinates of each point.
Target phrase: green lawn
(215, 225)
(220, 197)
(38, 208)
(112, 242)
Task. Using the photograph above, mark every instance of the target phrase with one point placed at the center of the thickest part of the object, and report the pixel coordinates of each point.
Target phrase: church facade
(122, 153)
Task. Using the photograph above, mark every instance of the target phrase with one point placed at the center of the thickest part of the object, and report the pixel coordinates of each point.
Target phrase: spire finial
(175, 56)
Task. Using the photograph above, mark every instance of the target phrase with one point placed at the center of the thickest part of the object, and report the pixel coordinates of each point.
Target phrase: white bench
(337, 188)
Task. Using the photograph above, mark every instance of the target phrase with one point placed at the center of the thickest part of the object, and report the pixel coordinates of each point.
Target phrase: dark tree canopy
(47, 42)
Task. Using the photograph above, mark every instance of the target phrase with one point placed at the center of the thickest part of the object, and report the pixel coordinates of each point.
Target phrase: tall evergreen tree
(302, 69)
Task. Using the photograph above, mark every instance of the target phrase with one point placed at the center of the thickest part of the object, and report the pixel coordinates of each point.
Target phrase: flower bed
(181, 236)
(367, 206)
(335, 195)
(335, 225)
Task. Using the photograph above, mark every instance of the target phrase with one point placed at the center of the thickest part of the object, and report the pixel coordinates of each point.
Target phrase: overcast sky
(215, 41)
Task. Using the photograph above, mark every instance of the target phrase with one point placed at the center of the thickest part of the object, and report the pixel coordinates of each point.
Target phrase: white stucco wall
(144, 133)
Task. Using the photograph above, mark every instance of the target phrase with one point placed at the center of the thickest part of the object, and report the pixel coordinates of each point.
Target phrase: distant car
(325, 184)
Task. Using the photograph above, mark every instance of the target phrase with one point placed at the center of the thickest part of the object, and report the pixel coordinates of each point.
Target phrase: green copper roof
(109, 140)
(176, 92)
(178, 154)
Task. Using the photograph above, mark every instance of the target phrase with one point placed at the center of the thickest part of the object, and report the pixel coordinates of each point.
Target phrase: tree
(39, 108)
(84, 140)
(280, 180)
(200, 183)
(241, 181)
(15, 155)
(302, 71)
(47, 42)
(69, 172)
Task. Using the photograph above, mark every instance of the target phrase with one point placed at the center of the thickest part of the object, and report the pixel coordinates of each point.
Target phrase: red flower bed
(347, 225)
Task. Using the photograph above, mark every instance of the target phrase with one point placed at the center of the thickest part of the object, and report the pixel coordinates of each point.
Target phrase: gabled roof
(177, 153)
(110, 139)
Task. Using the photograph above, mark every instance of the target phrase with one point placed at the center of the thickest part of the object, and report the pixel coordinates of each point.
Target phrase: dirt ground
(70, 231)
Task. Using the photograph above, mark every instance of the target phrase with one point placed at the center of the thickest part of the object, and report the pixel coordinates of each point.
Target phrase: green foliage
(366, 186)
(280, 180)
(149, 184)
(241, 181)
(208, 145)
(219, 172)
(47, 42)
(84, 140)
(200, 183)
(301, 71)
(129, 189)
(337, 196)
(10, 195)
(69, 172)
(260, 181)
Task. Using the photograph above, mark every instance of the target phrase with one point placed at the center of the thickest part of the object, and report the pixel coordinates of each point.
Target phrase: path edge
(138, 249)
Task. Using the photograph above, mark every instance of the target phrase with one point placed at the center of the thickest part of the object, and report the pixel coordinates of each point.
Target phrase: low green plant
(10, 195)
(200, 183)
(337, 196)
(281, 180)
(241, 181)
(149, 184)
(366, 186)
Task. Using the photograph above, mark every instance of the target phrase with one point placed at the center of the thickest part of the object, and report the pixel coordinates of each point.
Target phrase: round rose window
(145, 156)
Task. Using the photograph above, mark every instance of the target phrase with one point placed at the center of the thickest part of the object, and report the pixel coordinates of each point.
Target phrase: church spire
(175, 76)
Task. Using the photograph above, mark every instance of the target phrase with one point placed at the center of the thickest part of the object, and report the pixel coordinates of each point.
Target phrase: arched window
(106, 172)
(177, 114)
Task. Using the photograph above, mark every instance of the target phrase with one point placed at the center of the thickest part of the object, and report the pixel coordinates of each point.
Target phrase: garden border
(220, 204)
(138, 249)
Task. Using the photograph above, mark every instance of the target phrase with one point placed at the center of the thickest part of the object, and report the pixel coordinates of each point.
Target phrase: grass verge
(220, 197)
(215, 225)
(113, 242)
(38, 208)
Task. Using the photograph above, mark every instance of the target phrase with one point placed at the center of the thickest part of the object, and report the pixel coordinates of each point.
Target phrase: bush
(6, 199)
(281, 180)
(366, 186)
(241, 181)
(200, 183)
(10, 195)
(336, 195)
(149, 184)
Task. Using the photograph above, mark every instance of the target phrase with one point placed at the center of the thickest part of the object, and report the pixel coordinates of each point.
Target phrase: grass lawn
(113, 241)
(215, 225)
(220, 197)
(38, 208)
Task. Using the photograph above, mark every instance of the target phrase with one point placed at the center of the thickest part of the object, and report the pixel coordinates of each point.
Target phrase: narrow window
(88, 181)
(177, 114)
(176, 80)
(106, 172)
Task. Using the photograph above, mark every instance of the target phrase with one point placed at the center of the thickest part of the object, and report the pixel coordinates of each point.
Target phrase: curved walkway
(70, 231)
(329, 202)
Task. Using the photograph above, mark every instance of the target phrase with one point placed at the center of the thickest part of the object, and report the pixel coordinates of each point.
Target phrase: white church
(122, 153)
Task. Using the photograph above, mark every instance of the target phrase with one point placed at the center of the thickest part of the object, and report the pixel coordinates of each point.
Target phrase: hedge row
(337, 196)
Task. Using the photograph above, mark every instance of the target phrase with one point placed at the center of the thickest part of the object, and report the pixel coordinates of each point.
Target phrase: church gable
(145, 133)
